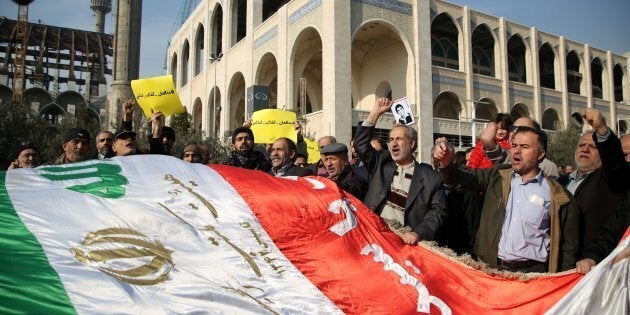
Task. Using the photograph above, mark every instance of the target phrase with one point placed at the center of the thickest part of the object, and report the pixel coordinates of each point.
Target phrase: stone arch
(267, 75)
(547, 66)
(174, 68)
(519, 110)
(52, 113)
(36, 98)
(236, 101)
(618, 82)
(217, 30)
(517, 66)
(185, 62)
(380, 53)
(483, 43)
(444, 42)
(485, 109)
(577, 119)
(200, 55)
(6, 94)
(306, 62)
(447, 105)
(550, 119)
(574, 74)
(238, 20)
(197, 114)
(70, 98)
(214, 111)
(597, 72)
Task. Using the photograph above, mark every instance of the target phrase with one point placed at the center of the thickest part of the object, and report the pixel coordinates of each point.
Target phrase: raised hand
(443, 152)
(128, 108)
(487, 136)
(382, 105)
(595, 119)
(157, 121)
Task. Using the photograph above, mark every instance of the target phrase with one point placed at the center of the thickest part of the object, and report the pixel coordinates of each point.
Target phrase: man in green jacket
(529, 222)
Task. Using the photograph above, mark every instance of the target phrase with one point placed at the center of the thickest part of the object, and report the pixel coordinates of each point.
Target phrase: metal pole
(214, 94)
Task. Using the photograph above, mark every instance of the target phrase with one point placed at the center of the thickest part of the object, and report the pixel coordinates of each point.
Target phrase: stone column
(535, 73)
(503, 63)
(126, 56)
(336, 65)
(610, 91)
(423, 73)
(588, 82)
(564, 88)
(468, 66)
(284, 80)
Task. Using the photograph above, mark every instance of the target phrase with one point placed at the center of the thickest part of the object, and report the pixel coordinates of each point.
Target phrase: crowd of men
(503, 201)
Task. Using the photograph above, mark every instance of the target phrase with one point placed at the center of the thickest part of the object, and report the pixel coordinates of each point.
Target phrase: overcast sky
(605, 24)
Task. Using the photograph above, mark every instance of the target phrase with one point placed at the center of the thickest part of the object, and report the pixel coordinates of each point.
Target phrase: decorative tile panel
(448, 80)
(266, 36)
(304, 10)
(391, 5)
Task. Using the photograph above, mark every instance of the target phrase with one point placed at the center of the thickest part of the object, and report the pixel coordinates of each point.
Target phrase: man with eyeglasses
(408, 195)
(104, 141)
(529, 222)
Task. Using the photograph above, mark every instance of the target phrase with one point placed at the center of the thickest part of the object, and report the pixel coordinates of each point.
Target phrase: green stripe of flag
(28, 284)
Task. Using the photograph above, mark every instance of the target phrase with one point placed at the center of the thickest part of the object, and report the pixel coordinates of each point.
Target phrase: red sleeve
(478, 158)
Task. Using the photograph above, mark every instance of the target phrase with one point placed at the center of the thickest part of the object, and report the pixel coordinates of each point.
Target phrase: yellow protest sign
(157, 94)
(313, 151)
(271, 124)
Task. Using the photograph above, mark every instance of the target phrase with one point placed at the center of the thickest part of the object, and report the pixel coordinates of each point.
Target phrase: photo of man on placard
(402, 112)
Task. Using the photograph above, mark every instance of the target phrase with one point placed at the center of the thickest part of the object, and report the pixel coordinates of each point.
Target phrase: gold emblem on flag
(126, 255)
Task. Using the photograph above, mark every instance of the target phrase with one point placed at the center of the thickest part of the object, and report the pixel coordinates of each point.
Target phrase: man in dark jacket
(601, 180)
(402, 191)
(529, 222)
(607, 238)
(243, 154)
(282, 157)
(335, 158)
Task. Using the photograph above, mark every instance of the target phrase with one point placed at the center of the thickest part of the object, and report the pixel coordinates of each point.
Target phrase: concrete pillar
(126, 56)
(336, 65)
(100, 8)
(535, 72)
(610, 90)
(564, 88)
(468, 66)
(503, 64)
(285, 83)
(588, 86)
(424, 84)
(255, 10)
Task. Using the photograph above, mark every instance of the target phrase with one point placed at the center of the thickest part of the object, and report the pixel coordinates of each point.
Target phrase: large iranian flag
(152, 234)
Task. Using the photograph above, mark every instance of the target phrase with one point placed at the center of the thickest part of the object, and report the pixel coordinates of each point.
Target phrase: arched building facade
(330, 60)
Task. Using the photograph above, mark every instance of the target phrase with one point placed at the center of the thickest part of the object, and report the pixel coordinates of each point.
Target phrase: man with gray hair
(598, 183)
(319, 168)
(408, 195)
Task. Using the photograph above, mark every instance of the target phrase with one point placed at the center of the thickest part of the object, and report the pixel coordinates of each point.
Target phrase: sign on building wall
(257, 98)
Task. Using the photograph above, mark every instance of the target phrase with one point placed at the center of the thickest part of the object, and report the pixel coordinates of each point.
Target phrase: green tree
(20, 126)
(562, 143)
(185, 132)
